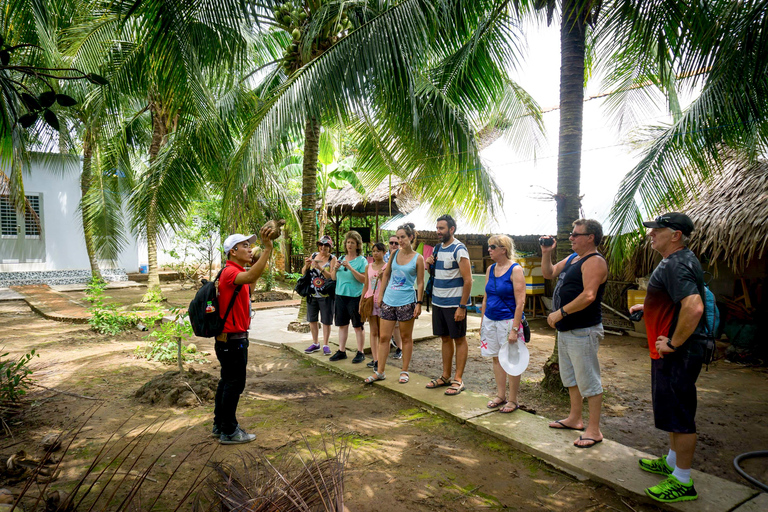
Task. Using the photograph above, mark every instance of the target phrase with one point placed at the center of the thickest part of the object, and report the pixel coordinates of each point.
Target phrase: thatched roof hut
(731, 218)
(377, 201)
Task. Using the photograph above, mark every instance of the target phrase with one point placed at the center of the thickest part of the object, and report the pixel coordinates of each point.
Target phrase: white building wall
(57, 180)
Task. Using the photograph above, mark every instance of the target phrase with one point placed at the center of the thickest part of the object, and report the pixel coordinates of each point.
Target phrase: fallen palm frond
(293, 482)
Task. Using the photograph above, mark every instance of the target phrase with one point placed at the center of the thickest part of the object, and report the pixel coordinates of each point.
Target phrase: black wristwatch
(562, 312)
(670, 345)
(463, 306)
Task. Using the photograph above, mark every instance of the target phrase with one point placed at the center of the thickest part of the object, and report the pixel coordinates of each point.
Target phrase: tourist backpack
(711, 324)
(204, 309)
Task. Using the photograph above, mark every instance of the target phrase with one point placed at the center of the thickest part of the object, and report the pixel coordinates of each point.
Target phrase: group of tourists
(389, 292)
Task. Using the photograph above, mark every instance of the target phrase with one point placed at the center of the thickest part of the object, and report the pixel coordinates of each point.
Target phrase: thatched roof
(731, 215)
(347, 199)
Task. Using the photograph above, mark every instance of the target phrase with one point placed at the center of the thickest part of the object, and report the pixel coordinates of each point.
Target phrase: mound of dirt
(269, 296)
(186, 390)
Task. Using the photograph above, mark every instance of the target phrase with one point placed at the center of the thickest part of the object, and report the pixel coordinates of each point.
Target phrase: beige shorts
(494, 333)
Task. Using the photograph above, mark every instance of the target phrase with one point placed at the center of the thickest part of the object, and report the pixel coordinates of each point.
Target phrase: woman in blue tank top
(503, 305)
(399, 301)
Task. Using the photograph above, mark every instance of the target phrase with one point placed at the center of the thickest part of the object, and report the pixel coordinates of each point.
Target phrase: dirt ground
(402, 458)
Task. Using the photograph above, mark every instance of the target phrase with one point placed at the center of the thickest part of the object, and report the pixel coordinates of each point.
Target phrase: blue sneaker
(239, 436)
(312, 348)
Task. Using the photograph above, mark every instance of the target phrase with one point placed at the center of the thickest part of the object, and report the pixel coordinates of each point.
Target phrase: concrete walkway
(609, 463)
(271, 329)
(52, 304)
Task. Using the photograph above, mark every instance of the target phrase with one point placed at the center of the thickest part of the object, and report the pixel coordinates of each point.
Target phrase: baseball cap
(325, 240)
(675, 220)
(235, 239)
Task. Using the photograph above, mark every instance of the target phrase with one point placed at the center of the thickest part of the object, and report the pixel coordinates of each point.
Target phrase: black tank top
(570, 284)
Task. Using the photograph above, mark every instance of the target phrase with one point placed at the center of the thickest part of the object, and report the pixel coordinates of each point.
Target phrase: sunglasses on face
(323, 245)
(493, 247)
(574, 235)
(394, 243)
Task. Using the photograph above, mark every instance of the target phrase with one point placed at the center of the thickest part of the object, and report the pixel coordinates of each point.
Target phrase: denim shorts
(577, 357)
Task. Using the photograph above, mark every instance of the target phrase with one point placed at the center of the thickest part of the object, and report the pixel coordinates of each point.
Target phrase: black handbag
(328, 288)
(304, 285)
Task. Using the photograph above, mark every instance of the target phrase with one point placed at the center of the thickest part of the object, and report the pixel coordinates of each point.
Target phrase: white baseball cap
(514, 357)
(235, 239)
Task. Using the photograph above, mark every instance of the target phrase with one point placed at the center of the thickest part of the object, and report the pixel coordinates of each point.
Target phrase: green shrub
(15, 376)
(164, 343)
(105, 318)
(292, 278)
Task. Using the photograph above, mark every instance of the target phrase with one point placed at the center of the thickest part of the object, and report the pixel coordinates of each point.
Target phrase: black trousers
(233, 357)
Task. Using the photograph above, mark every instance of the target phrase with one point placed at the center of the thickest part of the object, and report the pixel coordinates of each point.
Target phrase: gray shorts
(577, 356)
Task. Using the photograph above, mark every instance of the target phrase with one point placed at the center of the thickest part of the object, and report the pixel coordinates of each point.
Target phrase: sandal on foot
(563, 426)
(496, 402)
(438, 383)
(457, 387)
(376, 376)
(508, 408)
(582, 438)
(404, 377)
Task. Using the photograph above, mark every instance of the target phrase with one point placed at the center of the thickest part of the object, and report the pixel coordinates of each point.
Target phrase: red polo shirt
(240, 318)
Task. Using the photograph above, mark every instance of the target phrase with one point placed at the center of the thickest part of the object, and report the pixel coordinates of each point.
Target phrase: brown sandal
(438, 383)
(496, 402)
(456, 388)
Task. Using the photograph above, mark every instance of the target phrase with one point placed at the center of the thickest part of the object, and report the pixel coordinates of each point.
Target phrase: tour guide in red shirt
(673, 311)
(232, 345)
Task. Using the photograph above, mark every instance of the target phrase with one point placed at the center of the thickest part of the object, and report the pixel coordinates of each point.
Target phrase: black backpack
(204, 309)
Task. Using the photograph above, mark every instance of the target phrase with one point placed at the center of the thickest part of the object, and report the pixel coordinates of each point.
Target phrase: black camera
(636, 316)
(546, 241)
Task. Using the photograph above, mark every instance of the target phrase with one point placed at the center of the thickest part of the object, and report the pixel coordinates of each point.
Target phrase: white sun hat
(514, 357)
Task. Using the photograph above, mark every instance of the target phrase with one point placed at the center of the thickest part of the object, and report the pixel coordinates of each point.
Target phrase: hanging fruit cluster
(295, 20)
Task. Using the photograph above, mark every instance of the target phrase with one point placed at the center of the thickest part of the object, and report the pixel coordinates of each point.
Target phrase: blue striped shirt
(449, 284)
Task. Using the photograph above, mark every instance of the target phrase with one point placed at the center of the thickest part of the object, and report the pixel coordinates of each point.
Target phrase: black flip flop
(563, 426)
(582, 438)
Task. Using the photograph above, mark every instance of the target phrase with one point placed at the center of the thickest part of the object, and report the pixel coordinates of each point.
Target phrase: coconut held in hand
(276, 226)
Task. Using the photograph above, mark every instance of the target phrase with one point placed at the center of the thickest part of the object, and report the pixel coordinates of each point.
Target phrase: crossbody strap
(232, 300)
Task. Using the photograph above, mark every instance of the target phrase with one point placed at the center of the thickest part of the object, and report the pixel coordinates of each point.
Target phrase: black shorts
(443, 323)
(323, 306)
(673, 384)
(348, 310)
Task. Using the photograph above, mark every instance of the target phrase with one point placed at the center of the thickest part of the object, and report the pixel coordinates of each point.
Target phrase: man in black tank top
(577, 316)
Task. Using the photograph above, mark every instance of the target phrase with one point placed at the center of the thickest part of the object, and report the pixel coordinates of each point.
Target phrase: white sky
(606, 157)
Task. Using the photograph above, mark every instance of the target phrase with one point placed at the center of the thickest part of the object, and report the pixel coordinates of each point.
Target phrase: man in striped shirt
(452, 286)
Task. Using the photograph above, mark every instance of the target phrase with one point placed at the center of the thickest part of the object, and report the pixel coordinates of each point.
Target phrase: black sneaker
(359, 357)
(239, 436)
(372, 364)
(338, 356)
(398, 354)
(216, 432)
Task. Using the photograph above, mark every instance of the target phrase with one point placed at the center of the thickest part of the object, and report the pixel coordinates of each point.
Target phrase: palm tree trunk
(159, 133)
(309, 183)
(85, 186)
(308, 205)
(572, 35)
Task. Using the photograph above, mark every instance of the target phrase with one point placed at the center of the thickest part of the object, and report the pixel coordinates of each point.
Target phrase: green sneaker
(658, 466)
(671, 491)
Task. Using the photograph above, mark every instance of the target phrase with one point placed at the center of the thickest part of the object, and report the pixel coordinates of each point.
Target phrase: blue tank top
(400, 291)
(500, 295)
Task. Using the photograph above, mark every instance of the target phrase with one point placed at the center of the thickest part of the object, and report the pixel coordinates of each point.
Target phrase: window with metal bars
(32, 222)
(7, 218)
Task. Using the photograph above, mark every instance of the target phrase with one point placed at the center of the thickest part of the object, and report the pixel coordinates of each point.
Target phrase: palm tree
(167, 57)
(411, 80)
(727, 119)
